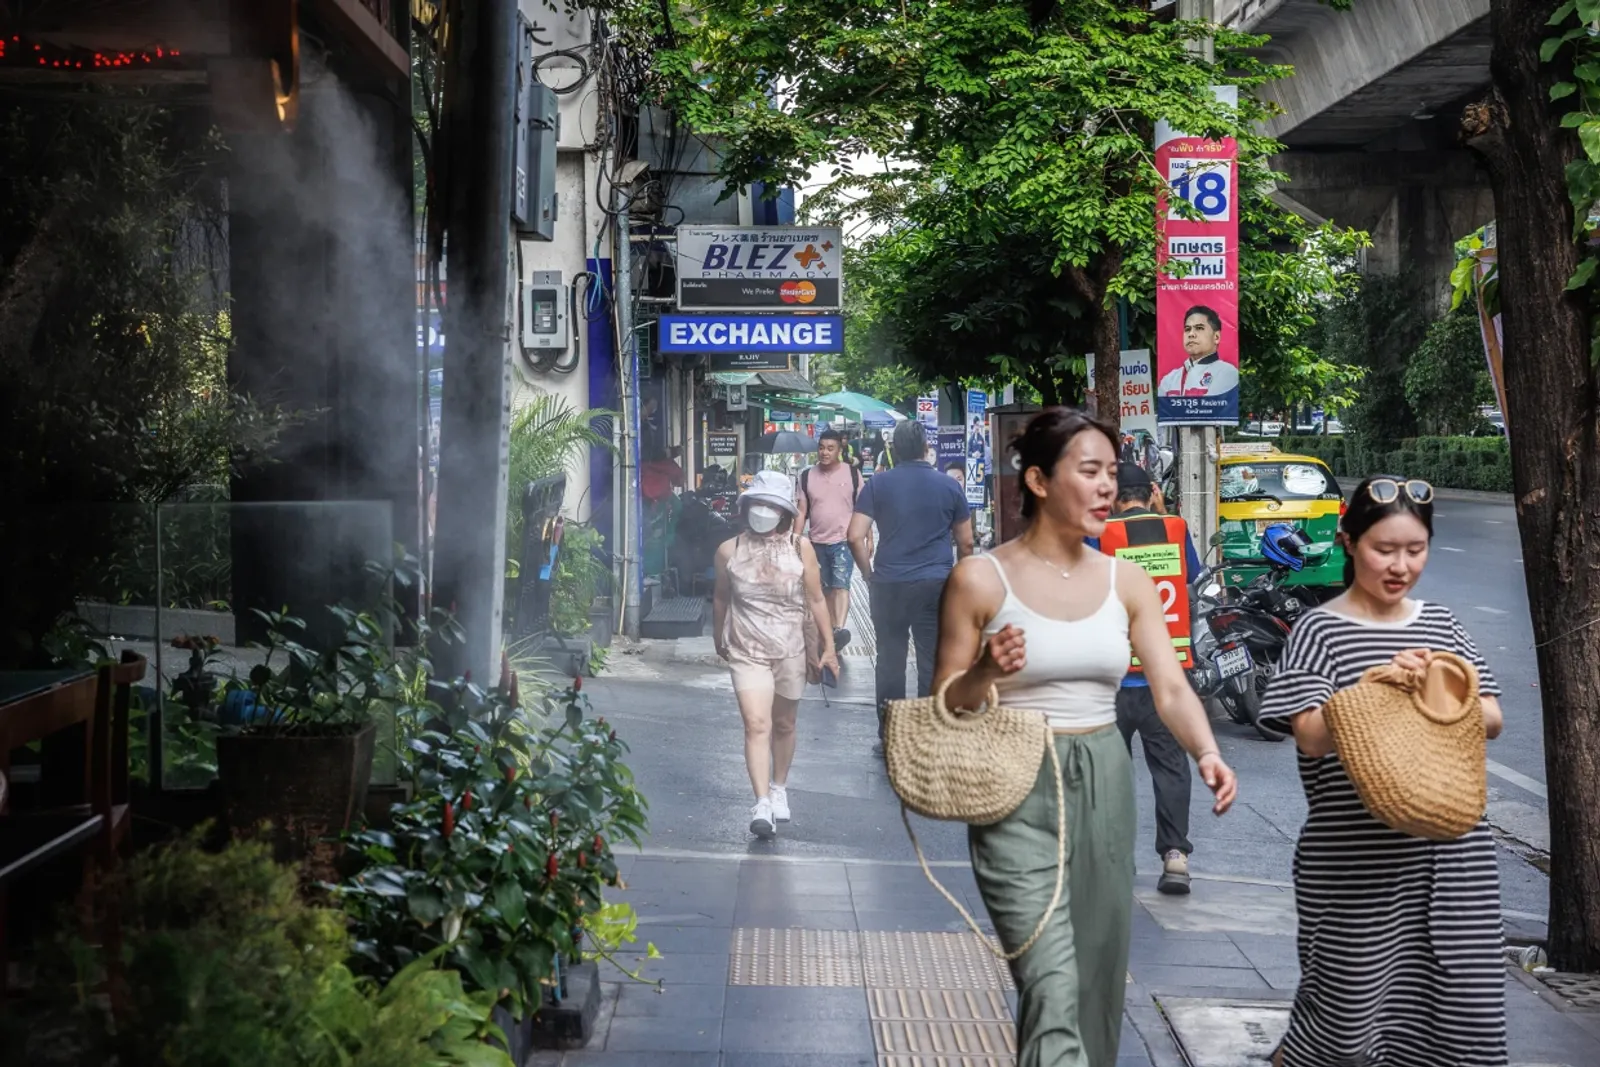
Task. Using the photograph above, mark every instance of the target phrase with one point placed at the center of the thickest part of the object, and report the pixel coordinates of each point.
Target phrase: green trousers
(1071, 983)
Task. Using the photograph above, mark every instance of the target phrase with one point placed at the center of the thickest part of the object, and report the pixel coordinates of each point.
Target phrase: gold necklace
(1048, 563)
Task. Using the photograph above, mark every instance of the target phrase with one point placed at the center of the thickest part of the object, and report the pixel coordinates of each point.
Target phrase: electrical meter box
(538, 125)
(544, 313)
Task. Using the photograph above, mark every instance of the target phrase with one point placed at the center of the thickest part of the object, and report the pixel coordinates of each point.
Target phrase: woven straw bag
(971, 767)
(1413, 745)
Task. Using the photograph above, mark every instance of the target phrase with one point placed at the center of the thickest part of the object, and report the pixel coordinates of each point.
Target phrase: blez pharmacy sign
(759, 268)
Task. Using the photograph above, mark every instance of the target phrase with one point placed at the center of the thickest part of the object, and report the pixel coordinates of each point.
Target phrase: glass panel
(80, 591)
(221, 565)
(1286, 481)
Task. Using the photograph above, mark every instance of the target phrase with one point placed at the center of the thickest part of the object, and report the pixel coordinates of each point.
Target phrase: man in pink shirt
(827, 500)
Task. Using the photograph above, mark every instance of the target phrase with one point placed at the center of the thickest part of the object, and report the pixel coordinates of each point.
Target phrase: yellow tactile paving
(929, 960)
(786, 970)
(928, 1042)
(959, 1005)
(795, 942)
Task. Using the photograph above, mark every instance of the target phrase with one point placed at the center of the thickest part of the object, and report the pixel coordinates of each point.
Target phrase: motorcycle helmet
(1285, 545)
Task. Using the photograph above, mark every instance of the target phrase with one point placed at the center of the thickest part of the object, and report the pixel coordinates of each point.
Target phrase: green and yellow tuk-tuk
(1259, 489)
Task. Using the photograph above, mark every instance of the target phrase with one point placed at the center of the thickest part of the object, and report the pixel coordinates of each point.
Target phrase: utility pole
(630, 536)
(470, 552)
(1197, 445)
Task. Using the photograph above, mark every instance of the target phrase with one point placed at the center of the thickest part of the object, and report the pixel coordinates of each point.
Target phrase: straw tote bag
(1413, 745)
(971, 767)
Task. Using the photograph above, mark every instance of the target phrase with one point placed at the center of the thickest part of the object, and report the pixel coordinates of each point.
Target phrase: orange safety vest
(1155, 542)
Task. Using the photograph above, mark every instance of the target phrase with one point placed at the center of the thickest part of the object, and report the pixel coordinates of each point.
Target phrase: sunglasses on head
(1388, 490)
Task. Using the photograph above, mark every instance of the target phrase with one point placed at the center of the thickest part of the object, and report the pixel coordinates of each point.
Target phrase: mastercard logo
(797, 292)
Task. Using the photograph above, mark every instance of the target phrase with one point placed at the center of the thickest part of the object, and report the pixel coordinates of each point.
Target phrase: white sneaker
(762, 824)
(779, 795)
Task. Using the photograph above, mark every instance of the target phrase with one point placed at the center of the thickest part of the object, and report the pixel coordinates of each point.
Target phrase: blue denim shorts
(836, 564)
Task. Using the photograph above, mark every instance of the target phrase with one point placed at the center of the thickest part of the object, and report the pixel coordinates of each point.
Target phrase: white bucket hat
(771, 487)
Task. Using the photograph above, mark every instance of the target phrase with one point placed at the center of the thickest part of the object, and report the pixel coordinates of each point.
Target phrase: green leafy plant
(546, 437)
(504, 849)
(1579, 47)
(579, 577)
(222, 957)
(344, 683)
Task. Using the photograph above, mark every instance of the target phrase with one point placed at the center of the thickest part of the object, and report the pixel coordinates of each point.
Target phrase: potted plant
(501, 856)
(299, 756)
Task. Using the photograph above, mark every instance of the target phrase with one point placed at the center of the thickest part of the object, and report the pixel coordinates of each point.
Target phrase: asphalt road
(1476, 570)
(683, 725)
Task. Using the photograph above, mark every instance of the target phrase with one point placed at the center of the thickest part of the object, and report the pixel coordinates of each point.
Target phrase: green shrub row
(1481, 463)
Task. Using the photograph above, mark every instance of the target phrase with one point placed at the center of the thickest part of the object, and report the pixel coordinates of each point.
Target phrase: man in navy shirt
(923, 525)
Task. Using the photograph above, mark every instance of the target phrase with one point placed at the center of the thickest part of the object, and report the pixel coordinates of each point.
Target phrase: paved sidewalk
(770, 962)
(828, 947)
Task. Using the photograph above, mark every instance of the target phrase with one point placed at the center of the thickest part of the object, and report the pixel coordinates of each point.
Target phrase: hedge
(1482, 463)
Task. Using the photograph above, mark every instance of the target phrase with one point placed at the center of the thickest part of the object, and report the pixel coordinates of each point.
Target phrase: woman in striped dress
(1400, 939)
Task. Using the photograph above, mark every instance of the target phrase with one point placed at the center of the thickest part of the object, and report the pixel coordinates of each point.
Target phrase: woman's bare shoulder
(976, 580)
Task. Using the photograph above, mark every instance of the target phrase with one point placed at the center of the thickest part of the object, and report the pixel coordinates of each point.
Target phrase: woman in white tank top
(1052, 624)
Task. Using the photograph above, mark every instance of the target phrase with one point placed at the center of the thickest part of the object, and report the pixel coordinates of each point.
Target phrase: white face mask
(764, 519)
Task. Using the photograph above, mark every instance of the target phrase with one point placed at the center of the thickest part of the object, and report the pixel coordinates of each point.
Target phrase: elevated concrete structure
(1370, 118)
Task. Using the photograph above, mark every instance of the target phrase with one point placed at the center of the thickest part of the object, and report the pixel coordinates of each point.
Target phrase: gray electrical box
(521, 178)
(544, 313)
(538, 124)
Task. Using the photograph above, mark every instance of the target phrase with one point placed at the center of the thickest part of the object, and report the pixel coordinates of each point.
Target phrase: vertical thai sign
(928, 414)
(953, 454)
(976, 429)
(1197, 278)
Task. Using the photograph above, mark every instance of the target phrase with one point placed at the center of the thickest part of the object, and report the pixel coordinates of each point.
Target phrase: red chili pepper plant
(505, 846)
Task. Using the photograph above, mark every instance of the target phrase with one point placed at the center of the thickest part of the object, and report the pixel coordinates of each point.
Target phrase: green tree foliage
(1021, 198)
(1446, 378)
(1373, 330)
(874, 359)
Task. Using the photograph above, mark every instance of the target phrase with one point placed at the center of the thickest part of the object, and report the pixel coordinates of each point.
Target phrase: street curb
(1463, 496)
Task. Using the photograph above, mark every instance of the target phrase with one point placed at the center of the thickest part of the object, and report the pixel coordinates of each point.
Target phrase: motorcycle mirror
(1216, 540)
(1212, 589)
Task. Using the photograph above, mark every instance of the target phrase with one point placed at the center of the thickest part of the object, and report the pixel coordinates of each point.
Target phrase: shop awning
(763, 382)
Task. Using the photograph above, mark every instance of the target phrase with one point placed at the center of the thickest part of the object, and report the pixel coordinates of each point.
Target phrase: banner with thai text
(1197, 280)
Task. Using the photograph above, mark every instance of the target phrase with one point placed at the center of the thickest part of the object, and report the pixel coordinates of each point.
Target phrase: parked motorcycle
(719, 490)
(1245, 630)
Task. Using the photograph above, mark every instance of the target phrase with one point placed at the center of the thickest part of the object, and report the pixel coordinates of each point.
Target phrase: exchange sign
(760, 268)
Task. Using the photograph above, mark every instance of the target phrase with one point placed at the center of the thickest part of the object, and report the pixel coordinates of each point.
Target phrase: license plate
(1235, 661)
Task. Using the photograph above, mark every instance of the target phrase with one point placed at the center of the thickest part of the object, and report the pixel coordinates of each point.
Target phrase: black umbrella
(784, 441)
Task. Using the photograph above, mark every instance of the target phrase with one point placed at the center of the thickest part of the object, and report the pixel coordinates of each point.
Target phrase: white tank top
(1074, 669)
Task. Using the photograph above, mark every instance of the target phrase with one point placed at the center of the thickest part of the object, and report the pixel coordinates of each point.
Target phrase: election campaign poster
(1138, 393)
(1197, 279)
(951, 456)
(928, 414)
(976, 432)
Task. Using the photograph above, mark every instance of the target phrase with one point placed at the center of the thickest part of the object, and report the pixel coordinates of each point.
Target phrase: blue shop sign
(706, 334)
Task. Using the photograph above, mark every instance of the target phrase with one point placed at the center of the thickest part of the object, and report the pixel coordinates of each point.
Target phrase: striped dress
(1400, 938)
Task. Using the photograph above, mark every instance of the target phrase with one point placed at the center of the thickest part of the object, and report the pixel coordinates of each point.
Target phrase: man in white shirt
(1204, 373)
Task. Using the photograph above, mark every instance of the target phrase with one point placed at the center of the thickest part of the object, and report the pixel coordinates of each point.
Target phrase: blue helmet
(1285, 545)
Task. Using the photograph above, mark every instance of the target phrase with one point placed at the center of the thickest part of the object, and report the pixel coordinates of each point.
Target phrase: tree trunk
(1092, 286)
(1553, 415)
